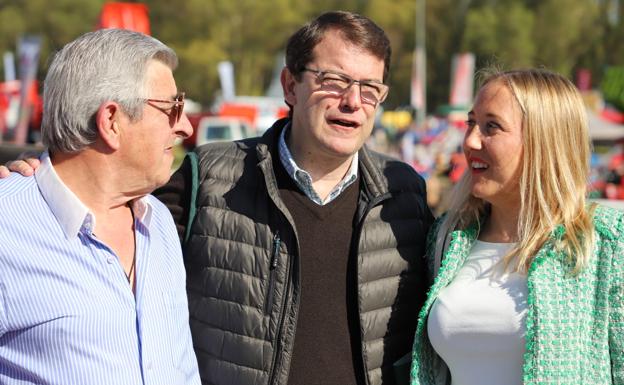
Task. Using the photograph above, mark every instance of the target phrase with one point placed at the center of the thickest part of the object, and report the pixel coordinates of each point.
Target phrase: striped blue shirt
(67, 312)
(303, 179)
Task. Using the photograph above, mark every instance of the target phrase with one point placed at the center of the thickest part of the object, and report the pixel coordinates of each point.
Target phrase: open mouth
(343, 123)
(479, 166)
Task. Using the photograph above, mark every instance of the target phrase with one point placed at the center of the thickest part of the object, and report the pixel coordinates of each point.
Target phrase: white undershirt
(477, 323)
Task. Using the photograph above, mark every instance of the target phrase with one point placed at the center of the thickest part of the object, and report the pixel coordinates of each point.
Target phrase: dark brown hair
(357, 29)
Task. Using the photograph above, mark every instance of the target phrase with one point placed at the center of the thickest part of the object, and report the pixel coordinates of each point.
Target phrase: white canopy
(603, 130)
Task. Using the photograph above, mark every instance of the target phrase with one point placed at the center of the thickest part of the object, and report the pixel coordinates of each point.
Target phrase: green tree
(248, 33)
(398, 20)
(444, 30)
(560, 34)
(57, 22)
(564, 31)
(500, 35)
(613, 86)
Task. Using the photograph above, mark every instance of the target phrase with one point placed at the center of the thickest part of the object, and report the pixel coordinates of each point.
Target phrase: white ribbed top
(477, 322)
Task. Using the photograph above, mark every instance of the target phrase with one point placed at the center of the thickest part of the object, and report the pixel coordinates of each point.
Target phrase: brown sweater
(327, 338)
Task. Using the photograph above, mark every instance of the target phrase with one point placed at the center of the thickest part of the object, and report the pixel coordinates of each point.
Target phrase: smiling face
(326, 126)
(148, 142)
(493, 146)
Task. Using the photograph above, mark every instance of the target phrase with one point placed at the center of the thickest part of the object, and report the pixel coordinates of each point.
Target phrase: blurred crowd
(607, 173)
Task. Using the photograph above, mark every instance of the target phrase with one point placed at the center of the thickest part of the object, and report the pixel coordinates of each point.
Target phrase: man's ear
(288, 86)
(107, 121)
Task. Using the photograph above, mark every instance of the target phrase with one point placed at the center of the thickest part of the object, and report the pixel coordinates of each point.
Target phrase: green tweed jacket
(574, 324)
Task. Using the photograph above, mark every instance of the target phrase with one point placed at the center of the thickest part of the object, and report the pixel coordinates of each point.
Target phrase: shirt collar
(72, 215)
(303, 179)
(142, 209)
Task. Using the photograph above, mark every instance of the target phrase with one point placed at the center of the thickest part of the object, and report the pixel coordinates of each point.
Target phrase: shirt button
(110, 260)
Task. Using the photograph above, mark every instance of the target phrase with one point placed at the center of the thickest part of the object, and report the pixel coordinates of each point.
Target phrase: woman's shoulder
(608, 222)
(444, 234)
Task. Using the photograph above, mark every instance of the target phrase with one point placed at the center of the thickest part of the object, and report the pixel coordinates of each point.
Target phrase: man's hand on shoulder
(25, 167)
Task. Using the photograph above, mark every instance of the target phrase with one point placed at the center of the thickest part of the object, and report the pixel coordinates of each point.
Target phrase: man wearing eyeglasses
(303, 248)
(92, 282)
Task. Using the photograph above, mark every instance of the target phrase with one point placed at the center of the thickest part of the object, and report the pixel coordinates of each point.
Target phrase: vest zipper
(280, 325)
(265, 165)
(272, 268)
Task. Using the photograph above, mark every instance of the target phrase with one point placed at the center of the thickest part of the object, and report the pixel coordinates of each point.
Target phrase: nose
(472, 139)
(183, 127)
(352, 98)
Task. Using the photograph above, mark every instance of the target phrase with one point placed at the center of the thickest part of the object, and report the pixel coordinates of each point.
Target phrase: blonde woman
(529, 277)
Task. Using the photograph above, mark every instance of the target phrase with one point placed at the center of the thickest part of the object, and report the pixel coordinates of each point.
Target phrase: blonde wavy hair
(555, 168)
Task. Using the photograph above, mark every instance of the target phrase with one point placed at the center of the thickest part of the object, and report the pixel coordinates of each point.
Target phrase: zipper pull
(276, 246)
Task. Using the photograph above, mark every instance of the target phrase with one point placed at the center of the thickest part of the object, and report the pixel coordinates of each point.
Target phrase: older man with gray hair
(92, 282)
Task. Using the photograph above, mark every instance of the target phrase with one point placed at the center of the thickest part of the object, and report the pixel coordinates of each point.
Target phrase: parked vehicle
(219, 129)
(260, 112)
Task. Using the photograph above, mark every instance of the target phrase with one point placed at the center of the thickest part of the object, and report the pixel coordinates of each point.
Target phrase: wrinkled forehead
(159, 77)
(340, 38)
(337, 53)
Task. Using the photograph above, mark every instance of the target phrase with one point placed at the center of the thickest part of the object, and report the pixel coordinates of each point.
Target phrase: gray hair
(99, 66)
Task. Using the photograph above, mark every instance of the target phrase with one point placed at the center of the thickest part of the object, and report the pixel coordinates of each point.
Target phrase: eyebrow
(338, 72)
(497, 117)
(173, 98)
(489, 115)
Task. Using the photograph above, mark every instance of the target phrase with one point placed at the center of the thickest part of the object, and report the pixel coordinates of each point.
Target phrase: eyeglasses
(371, 92)
(177, 106)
